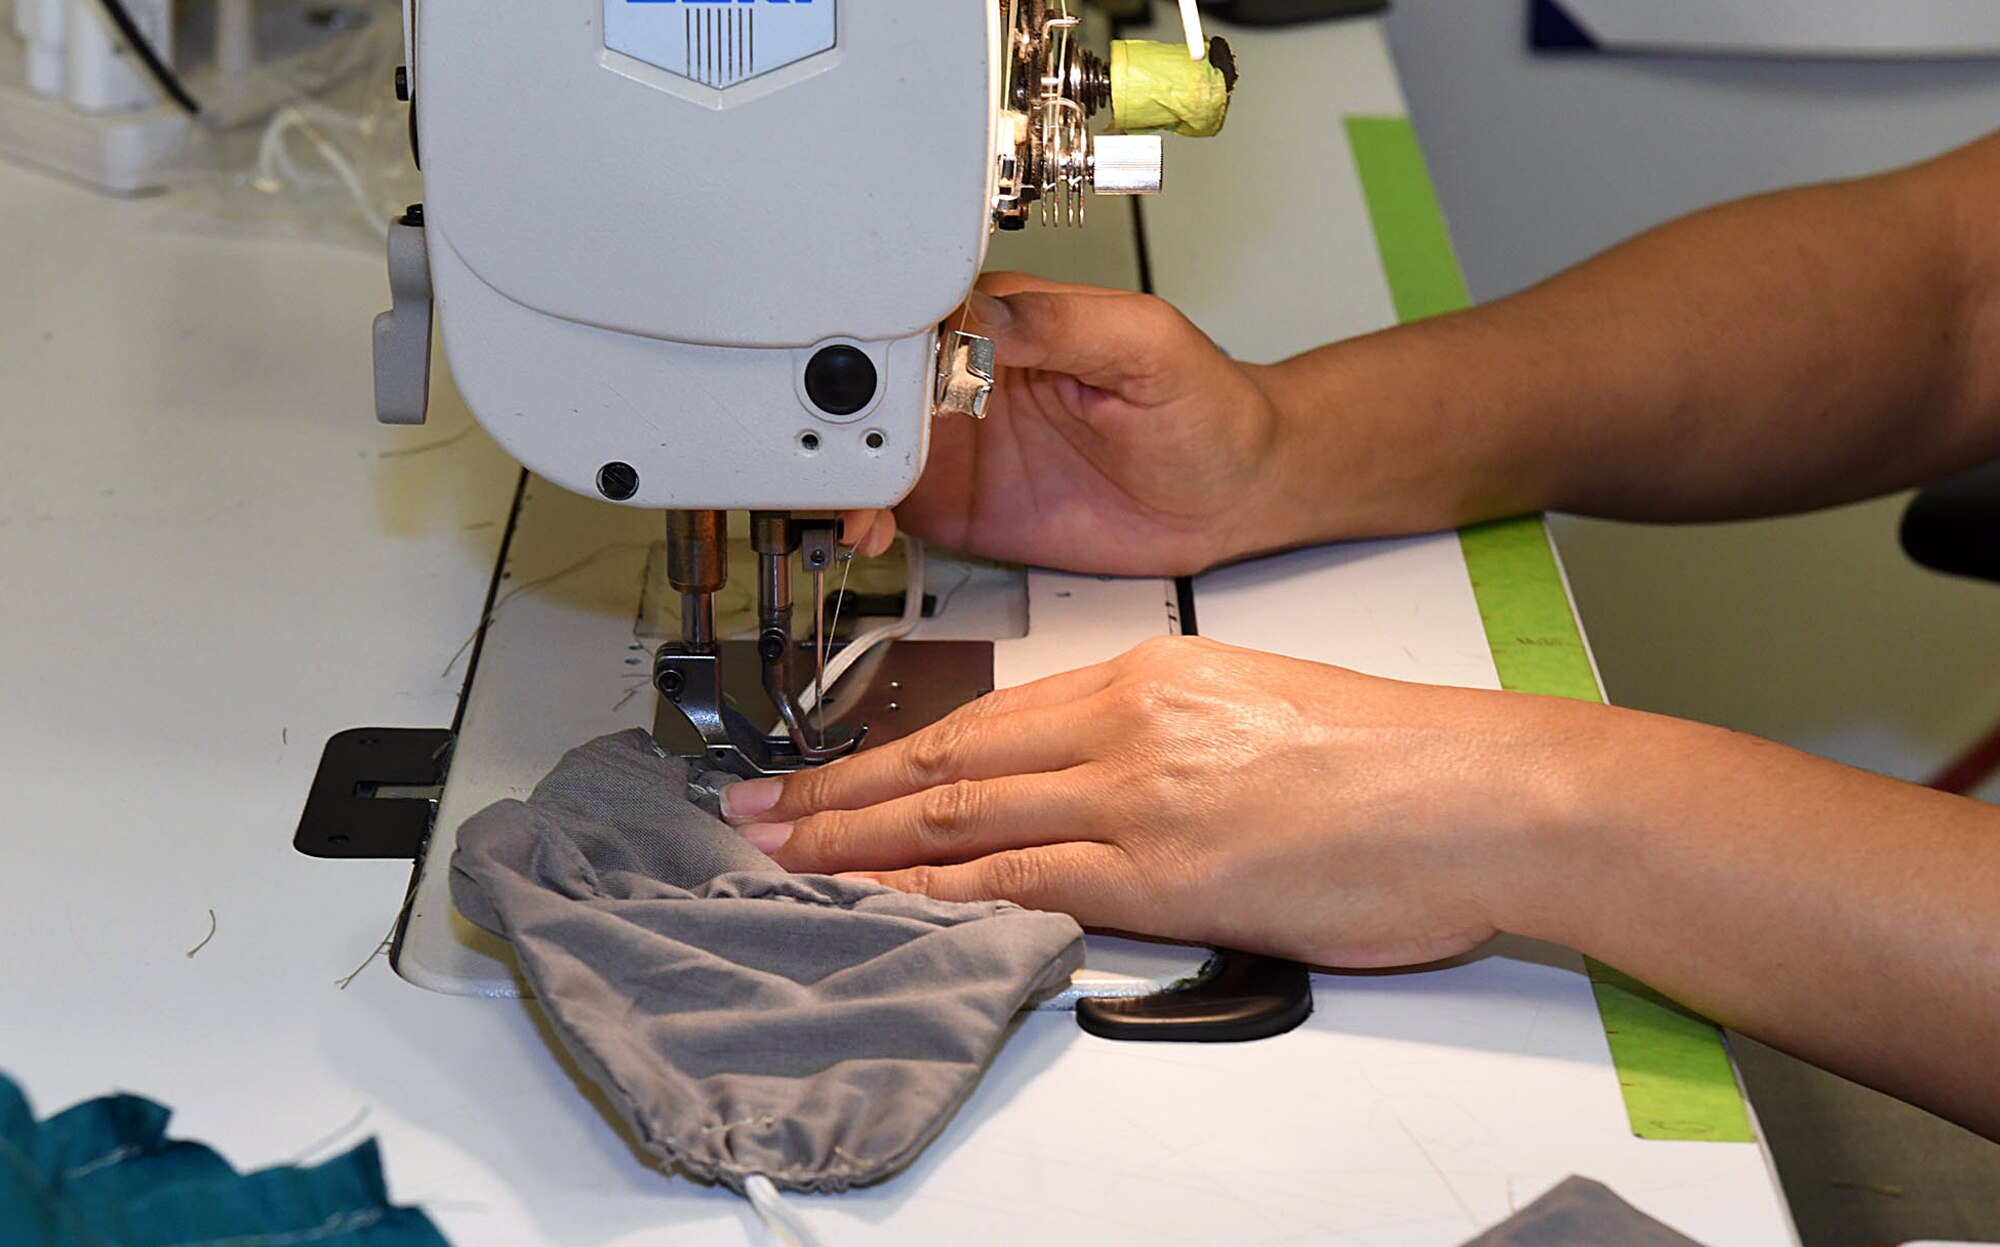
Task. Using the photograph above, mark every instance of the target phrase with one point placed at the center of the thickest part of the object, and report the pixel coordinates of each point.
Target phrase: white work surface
(214, 561)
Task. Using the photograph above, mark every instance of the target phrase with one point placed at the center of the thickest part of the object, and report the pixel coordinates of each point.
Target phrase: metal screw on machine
(618, 481)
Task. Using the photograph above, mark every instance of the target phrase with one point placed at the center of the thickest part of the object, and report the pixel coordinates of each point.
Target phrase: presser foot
(898, 689)
(691, 682)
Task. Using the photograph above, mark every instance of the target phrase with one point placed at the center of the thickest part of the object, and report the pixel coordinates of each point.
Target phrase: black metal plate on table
(375, 794)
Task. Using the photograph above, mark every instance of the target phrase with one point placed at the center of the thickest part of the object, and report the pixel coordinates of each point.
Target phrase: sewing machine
(694, 257)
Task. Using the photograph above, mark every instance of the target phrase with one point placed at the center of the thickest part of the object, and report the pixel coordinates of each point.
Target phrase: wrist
(1406, 431)
(1574, 820)
(1293, 487)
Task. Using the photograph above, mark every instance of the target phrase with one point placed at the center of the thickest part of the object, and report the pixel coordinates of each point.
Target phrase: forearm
(1783, 353)
(1848, 918)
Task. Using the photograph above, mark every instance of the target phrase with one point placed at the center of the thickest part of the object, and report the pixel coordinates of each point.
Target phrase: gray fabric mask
(745, 1021)
(1579, 1212)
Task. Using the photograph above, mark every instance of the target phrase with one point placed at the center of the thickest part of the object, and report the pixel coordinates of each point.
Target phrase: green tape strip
(1424, 278)
(1537, 647)
(1672, 1065)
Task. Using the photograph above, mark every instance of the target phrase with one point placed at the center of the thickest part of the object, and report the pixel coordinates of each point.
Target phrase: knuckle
(1156, 696)
(952, 812)
(1162, 785)
(818, 837)
(923, 880)
(803, 790)
(1159, 648)
(1016, 876)
(935, 754)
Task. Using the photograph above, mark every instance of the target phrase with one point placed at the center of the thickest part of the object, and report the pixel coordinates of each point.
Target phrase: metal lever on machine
(403, 333)
(966, 373)
(688, 673)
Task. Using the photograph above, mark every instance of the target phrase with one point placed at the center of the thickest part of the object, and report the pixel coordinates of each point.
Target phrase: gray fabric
(1581, 1213)
(745, 1020)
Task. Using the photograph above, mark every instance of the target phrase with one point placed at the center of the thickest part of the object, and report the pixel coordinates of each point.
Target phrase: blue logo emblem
(719, 43)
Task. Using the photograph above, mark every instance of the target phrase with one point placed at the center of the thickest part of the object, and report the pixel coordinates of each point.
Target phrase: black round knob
(841, 380)
(618, 481)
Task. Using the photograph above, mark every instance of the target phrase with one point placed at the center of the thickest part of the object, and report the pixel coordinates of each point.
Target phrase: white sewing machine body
(692, 256)
(648, 225)
(647, 220)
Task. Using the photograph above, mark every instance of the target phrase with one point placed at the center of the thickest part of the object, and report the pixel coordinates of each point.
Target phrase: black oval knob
(841, 380)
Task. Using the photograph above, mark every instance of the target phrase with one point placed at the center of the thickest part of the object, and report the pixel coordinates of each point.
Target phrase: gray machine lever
(403, 333)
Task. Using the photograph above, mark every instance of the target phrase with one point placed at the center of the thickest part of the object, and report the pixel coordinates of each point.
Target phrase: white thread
(1191, 27)
(276, 168)
(786, 1227)
(859, 647)
(116, 1155)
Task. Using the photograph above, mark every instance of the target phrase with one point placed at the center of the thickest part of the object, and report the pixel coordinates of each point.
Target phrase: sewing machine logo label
(719, 43)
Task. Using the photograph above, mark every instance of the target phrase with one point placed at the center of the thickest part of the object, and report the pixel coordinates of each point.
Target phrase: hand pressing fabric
(1199, 792)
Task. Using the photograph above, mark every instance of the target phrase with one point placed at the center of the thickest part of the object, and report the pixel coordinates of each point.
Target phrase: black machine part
(1237, 997)
(1954, 525)
(375, 793)
(1288, 12)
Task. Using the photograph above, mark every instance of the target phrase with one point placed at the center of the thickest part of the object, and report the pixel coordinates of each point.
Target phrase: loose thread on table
(406, 452)
(327, 1140)
(549, 579)
(387, 942)
(204, 939)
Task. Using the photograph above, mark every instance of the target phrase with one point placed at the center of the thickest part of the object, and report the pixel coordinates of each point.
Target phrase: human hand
(1118, 439)
(1199, 792)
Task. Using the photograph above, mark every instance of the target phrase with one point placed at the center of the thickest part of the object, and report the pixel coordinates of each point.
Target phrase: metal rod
(698, 619)
(698, 566)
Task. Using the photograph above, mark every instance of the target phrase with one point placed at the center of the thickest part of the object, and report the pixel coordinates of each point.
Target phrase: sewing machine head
(692, 255)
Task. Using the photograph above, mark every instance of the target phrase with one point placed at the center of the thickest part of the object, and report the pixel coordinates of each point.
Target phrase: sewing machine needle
(819, 652)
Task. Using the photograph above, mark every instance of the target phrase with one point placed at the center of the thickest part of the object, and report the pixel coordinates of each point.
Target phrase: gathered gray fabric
(1578, 1212)
(745, 1020)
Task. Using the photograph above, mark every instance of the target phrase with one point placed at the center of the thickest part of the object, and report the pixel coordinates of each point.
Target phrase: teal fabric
(104, 1174)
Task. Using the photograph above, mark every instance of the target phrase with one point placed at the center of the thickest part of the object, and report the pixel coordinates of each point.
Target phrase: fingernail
(767, 837)
(750, 798)
(989, 311)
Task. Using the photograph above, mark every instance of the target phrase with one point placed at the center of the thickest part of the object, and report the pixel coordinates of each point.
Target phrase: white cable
(275, 167)
(787, 1228)
(859, 647)
(1191, 27)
